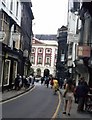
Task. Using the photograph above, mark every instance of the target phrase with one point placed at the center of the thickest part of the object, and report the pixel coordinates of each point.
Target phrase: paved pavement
(13, 93)
(74, 113)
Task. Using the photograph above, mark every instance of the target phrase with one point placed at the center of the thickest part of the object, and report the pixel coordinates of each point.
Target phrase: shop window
(6, 72)
(14, 71)
(25, 70)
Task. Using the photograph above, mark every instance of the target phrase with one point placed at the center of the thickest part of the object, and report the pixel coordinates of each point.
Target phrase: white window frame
(39, 50)
(38, 60)
(46, 60)
(49, 51)
(33, 50)
(8, 72)
(32, 60)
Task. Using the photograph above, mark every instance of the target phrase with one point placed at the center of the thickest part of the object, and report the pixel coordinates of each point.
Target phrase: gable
(35, 42)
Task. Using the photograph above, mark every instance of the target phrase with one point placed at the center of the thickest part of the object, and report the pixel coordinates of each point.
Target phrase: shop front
(11, 63)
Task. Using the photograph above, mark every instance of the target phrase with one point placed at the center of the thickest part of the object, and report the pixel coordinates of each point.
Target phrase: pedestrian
(51, 82)
(55, 86)
(81, 92)
(16, 84)
(64, 84)
(26, 82)
(61, 82)
(47, 81)
(33, 79)
(69, 96)
(20, 82)
(42, 80)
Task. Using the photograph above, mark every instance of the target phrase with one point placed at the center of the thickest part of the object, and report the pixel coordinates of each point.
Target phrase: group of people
(71, 93)
(23, 81)
(52, 81)
(77, 93)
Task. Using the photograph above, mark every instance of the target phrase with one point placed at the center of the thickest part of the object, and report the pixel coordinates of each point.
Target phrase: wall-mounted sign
(83, 51)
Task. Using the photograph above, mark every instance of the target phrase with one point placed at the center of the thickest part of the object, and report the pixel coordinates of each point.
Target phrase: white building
(44, 55)
(74, 25)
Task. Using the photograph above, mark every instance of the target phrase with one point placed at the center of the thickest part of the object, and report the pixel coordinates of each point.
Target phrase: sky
(49, 15)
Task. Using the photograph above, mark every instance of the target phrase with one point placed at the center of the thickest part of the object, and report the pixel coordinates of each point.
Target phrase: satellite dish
(2, 36)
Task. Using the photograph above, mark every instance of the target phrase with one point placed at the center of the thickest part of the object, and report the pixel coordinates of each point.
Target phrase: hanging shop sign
(83, 51)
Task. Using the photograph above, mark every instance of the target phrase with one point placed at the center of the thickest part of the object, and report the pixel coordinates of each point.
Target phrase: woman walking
(69, 96)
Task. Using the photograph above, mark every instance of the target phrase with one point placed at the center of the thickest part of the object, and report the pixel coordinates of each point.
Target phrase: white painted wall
(52, 68)
(72, 25)
(5, 5)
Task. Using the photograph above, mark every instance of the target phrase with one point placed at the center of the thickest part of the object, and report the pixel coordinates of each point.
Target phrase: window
(13, 44)
(39, 60)
(70, 48)
(17, 8)
(14, 70)
(32, 59)
(11, 5)
(48, 51)
(33, 50)
(47, 60)
(6, 72)
(39, 50)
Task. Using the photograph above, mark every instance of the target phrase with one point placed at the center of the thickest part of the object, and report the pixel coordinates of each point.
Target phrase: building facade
(10, 27)
(74, 25)
(14, 39)
(84, 62)
(26, 36)
(62, 53)
(79, 40)
(44, 56)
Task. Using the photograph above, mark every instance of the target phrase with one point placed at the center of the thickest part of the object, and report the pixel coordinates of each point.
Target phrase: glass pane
(6, 72)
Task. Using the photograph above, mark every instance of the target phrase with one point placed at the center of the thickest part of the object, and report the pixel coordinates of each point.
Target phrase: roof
(46, 37)
(48, 42)
(45, 42)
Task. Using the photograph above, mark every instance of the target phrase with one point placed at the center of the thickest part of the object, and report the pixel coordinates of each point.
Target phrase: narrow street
(39, 103)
